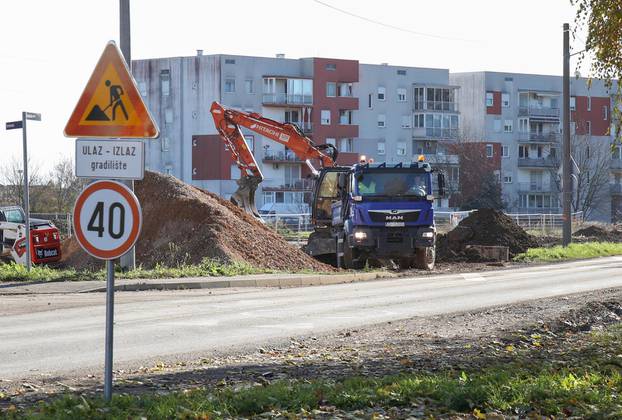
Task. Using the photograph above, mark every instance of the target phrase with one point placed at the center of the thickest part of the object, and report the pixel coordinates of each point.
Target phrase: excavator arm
(229, 121)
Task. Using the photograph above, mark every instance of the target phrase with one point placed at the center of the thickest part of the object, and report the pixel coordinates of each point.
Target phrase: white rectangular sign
(110, 159)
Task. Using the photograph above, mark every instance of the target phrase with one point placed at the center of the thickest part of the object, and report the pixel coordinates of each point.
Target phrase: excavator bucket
(244, 196)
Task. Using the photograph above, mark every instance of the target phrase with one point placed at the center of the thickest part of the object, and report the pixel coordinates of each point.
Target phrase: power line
(388, 25)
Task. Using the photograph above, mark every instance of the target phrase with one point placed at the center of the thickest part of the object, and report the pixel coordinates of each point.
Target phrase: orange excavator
(229, 121)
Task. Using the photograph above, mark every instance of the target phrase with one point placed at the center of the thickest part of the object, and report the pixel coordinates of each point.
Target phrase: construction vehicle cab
(44, 237)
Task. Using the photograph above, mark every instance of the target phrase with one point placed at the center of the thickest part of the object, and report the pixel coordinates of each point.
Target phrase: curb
(285, 281)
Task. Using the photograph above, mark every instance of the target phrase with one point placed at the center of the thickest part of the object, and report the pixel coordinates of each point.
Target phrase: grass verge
(571, 252)
(207, 268)
(584, 382)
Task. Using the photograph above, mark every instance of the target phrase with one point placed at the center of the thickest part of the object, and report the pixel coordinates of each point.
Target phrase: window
(382, 119)
(489, 151)
(168, 170)
(523, 125)
(248, 86)
(331, 66)
(406, 123)
(573, 103)
(331, 89)
(418, 120)
(508, 126)
(250, 142)
(605, 112)
(588, 127)
(345, 145)
(507, 179)
(165, 82)
(505, 100)
(419, 98)
(325, 117)
(381, 147)
(400, 148)
(345, 117)
(229, 85)
(401, 95)
(490, 101)
(344, 89)
(505, 151)
(401, 72)
(553, 152)
(168, 116)
(589, 103)
(497, 125)
(381, 93)
(165, 144)
(369, 101)
(268, 197)
(229, 61)
(331, 141)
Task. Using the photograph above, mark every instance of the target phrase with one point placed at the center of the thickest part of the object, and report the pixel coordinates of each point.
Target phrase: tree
(590, 175)
(65, 185)
(12, 177)
(603, 21)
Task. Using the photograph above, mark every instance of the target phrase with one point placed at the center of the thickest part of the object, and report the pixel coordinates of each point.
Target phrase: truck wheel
(425, 258)
(349, 260)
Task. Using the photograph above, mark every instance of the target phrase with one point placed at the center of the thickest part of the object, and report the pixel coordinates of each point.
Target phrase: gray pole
(566, 165)
(26, 195)
(109, 326)
(128, 261)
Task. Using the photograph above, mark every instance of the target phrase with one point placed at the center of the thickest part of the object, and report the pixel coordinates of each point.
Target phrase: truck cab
(380, 212)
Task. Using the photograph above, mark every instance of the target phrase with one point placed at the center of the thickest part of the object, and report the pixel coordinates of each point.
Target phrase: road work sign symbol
(111, 106)
(107, 219)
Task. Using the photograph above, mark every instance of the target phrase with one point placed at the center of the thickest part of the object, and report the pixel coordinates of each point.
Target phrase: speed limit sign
(107, 219)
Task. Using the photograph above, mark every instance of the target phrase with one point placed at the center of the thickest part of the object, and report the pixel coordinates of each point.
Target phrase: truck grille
(394, 216)
(394, 237)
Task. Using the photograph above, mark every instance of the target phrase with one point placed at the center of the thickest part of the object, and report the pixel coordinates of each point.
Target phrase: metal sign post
(12, 126)
(109, 330)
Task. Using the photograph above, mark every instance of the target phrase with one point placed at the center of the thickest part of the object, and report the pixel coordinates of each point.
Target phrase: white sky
(50, 48)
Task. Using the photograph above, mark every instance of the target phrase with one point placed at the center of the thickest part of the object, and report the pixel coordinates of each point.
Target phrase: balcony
(294, 185)
(436, 133)
(305, 126)
(539, 112)
(615, 189)
(547, 162)
(526, 187)
(441, 106)
(438, 159)
(287, 99)
(615, 164)
(540, 137)
(280, 157)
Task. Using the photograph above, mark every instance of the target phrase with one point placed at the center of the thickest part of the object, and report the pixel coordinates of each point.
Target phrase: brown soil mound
(483, 227)
(599, 233)
(183, 224)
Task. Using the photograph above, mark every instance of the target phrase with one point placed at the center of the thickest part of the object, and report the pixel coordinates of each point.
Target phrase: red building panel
(210, 160)
(596, 115)
(495, 109)
(339, 71)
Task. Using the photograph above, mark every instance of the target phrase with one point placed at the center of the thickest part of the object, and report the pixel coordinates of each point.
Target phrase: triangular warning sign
(110, 105)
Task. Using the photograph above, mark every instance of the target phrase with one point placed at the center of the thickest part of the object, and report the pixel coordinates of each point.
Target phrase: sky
(49, 48)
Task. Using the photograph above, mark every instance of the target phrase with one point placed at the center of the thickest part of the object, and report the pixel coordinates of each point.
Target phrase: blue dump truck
(376, 212)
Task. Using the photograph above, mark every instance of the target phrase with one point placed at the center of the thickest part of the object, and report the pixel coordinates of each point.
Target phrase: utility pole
(128, 261)
(566, 164)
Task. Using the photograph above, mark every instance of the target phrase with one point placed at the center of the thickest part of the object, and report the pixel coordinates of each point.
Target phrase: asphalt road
(66, 332)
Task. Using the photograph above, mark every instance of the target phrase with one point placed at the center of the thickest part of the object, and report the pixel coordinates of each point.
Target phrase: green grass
(207, 268)
(571, 252)
(586, 385)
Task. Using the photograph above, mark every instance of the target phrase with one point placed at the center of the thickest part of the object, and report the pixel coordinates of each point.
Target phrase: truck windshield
(392, 184)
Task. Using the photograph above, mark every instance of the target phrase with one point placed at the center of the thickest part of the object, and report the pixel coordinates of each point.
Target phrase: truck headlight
(359, 236)
(427, 235)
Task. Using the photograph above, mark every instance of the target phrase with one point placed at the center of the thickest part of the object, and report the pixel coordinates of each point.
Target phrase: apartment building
(522, 112)
(315, 93)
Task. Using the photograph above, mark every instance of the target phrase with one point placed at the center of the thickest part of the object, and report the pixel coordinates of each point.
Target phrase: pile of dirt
(600, 234)
(183, 224)
(483, 227)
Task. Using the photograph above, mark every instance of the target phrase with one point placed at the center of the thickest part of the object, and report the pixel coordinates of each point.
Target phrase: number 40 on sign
(107, 219)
